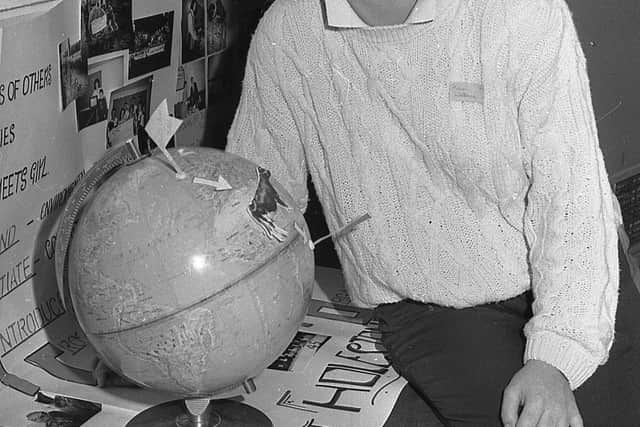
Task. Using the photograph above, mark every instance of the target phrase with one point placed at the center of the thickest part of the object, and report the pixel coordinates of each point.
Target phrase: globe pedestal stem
(200, 414)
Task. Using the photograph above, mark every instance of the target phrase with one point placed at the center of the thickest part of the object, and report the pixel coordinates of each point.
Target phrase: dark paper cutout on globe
(177, 286)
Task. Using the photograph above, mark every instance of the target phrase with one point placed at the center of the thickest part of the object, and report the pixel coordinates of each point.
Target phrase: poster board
(39, 164)
(54, 87)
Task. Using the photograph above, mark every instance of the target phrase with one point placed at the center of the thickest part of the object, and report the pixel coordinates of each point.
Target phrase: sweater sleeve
(571, 216)
(267, 128)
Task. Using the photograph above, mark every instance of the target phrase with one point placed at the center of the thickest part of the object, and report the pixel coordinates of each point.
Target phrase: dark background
(610, 35)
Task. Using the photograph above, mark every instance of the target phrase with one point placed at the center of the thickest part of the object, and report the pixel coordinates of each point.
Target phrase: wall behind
(610, 35)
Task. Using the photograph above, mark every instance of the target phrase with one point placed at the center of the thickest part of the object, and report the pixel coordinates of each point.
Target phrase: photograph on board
(91, 105)
(106, 25)
(299, 352)
(128, 114)
(191, 89)
(193, 40)
(217, 26)
(191, 103)
(62, 411)
(151, 44)
(73, 71)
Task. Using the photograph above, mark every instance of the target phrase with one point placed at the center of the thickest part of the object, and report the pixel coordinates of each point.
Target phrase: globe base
(215, 413)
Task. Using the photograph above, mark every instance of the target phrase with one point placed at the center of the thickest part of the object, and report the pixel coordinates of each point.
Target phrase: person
(143, 137)
(102, 106)
(96, 89)
(465, 129)
(123, 114)
(192, 34)
(114, 118)
(194, 95)
(112, 22)
(111, 125)
(134, 116)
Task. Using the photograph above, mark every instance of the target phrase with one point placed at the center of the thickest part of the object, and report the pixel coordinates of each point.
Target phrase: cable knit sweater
(471, 142)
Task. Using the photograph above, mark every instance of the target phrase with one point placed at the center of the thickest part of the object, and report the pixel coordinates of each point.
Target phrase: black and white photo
(217, 26)
(73, 71)
(106, 25)
(193, 39)
(191, 92)
(152, 43)
(91, 105)
(128, 114)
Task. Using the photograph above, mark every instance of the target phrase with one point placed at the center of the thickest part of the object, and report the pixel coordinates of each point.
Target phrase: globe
(190, 284)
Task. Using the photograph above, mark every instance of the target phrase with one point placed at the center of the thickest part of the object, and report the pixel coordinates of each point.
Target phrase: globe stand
(202, 413)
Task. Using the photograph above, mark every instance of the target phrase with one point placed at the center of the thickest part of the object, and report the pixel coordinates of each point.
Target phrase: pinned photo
(129, 113)
(152, 43)
(300, 351)
(217, 30)
(62, 411)
(106, 25)
(91, 105)
(190, 90)
(73, 71)
(193, 39)
(191, 103)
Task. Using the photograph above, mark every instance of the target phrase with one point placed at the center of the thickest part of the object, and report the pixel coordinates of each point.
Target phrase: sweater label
(466, 92)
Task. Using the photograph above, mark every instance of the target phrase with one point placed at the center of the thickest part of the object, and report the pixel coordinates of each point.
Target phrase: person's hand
(543, 394)
(105, 377)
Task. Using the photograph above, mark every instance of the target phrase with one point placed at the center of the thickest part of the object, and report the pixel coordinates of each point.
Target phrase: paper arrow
(219, 184)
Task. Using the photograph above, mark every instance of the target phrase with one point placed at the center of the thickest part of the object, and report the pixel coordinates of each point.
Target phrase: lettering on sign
(28, 84)
(20, 179)
(27, 325)
(363, 366)
(17, 275)
(59, 199)
(8, 239)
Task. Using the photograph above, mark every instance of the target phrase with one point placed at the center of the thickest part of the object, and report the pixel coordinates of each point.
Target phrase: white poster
(41, 159)
(55, 84)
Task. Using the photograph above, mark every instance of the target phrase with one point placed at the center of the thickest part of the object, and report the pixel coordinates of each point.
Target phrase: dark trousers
(459, 361)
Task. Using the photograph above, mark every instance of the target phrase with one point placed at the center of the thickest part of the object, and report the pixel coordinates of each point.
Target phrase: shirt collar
(340, 14)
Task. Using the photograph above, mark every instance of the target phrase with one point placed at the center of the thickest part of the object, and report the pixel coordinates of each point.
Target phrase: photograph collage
(208, 28)
(109, 71)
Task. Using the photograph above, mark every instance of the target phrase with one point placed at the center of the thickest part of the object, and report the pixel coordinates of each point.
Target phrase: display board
(64, 70)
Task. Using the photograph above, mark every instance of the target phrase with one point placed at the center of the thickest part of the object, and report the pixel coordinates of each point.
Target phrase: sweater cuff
(565, 354)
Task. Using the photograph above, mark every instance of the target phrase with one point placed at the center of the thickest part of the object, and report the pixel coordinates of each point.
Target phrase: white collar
(340, 14)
